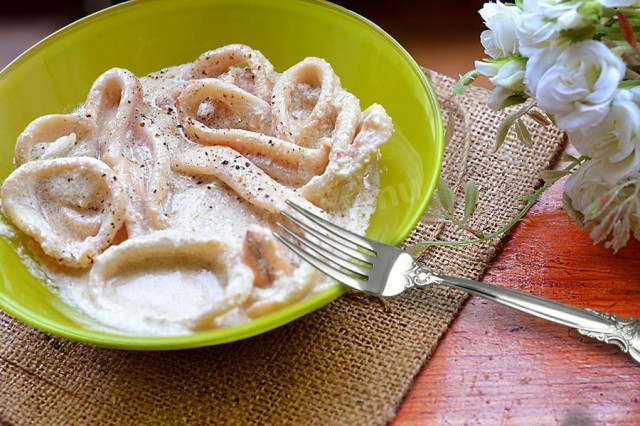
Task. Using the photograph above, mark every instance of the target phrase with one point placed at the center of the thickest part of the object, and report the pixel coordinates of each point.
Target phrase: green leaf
(553, 175)
(434, 212)
(434, 203)
(502, 132)
(569, 158)
(628, 84)
(539, 118)
(513, 100)
(451, 127)
(573, 213)
(552, 118)
(464, 82)
(523, 133)
(504, 127)
(417, 249)
(445, 196)
(470, 199)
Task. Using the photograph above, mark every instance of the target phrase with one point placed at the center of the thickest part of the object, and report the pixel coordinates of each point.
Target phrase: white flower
(508, 78)
(576, 84)
(615, 141)
(535, 33)
(586, 185)
(499, 40)
(543, 22)
(609, 211)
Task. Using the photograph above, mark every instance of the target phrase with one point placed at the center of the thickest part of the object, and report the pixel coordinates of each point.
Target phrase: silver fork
(383, 270)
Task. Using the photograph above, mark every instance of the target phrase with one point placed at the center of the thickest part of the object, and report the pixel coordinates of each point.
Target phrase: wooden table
(498, 366)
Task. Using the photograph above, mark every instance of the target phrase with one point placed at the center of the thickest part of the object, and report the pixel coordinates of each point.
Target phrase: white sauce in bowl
(172, 184)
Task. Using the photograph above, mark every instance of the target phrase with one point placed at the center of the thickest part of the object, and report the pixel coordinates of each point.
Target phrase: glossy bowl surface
(55, 75)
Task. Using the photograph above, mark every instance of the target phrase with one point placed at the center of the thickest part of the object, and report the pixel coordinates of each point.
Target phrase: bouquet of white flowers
(575, 63)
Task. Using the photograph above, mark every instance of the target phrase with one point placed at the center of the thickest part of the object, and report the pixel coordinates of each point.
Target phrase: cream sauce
(199, 271)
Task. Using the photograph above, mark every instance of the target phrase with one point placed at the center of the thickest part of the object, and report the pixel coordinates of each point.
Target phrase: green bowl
(143, 36)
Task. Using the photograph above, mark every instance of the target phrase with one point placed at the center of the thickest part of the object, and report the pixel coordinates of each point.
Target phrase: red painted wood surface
(499, 366)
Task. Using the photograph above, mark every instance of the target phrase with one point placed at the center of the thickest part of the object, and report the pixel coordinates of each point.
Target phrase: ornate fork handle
(625, 333)
(602, 326)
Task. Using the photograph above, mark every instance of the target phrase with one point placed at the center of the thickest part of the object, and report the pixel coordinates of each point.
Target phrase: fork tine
(323, 267)
(329, 241)
(336, 230)
(351, 267)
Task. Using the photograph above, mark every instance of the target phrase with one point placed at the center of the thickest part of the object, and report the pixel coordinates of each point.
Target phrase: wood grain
(498, 366)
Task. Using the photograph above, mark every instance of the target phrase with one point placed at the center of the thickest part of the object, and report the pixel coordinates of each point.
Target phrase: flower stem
(464, 227)
(629, 13)
(530, 202)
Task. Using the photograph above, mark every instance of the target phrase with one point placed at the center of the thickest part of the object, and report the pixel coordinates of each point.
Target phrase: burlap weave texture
(351, 362)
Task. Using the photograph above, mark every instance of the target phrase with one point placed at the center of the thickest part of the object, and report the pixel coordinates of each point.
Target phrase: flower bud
(507, 73)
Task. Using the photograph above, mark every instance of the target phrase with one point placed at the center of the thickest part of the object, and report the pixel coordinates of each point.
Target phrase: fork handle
(602, 326)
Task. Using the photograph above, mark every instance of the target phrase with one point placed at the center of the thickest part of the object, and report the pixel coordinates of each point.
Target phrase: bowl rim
(260, 325)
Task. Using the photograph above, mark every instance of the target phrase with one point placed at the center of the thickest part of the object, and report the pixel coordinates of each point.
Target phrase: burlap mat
(349, 363)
